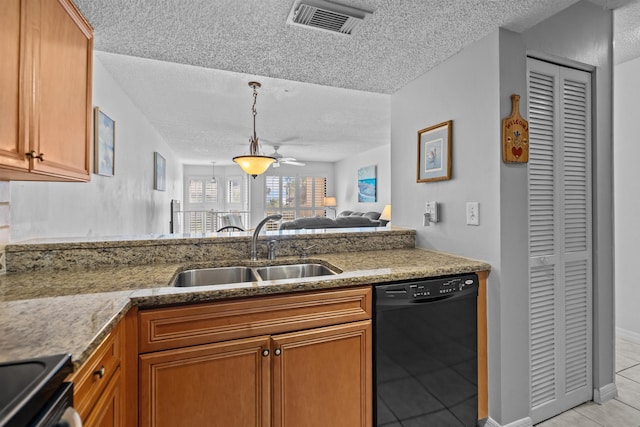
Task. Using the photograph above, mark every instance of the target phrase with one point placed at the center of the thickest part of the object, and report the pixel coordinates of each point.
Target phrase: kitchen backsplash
(59, 256)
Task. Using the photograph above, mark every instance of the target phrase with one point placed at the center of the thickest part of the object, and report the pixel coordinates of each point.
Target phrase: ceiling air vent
(327, 16)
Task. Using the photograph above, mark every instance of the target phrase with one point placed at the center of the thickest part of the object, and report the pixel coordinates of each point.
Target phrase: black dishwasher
(425, 358)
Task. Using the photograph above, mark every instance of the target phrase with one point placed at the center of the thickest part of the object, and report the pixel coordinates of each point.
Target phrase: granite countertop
(44, 313)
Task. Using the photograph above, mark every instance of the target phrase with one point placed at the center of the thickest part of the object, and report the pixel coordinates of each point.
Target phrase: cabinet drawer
(107, 411)
(92, 378)
(175, 327)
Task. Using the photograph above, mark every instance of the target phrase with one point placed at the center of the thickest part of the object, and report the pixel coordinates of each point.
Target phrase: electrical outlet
(431, 208)
(473, 213)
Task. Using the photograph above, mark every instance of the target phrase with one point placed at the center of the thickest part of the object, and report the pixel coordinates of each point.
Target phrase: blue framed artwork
(434, 153)
(367, 185)
(104, 143)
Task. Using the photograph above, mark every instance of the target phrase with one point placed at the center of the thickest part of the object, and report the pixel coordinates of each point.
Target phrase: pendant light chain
(255, 163)
(253, 142)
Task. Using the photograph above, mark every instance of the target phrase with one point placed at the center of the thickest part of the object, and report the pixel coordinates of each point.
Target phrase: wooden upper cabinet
(49, 79)
(12, 87)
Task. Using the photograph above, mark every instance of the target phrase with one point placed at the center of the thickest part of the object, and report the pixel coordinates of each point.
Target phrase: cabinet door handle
(34, 155)
(277, 352)
(99, 372)
(265, 352)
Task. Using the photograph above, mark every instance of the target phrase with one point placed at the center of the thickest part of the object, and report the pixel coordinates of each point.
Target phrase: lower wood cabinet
(322, 377)
(319, 376)
(98, 384)
(222, 384)
(108, 411)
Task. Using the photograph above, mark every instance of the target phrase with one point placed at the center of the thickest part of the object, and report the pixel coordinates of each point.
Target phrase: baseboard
(605, 393)
(524, 422)
(628, 335)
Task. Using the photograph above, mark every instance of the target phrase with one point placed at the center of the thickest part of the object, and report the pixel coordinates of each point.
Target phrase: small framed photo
(104, 142)
(160, 170)
(434, 153)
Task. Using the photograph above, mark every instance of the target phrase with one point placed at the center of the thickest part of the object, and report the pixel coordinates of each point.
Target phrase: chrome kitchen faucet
(254, 239)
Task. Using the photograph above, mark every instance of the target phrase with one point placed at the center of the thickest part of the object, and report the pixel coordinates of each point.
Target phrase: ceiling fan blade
(294, 163)
(286, 159)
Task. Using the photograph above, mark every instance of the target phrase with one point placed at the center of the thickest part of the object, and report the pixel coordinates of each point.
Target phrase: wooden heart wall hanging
(515, 135)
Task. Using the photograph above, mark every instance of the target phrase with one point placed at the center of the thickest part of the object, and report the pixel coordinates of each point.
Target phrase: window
(202, 200)
(207, 202)
(203, 191)
(234, 191)
(295, 197)
(238, 197)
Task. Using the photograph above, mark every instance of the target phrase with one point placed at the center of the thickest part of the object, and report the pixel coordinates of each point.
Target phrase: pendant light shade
(254, 164)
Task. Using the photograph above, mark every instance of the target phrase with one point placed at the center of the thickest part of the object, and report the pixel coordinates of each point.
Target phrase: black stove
(33, 391)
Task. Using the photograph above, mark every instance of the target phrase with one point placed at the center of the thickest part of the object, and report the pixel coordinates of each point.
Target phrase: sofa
(374, 216)
(345, 219)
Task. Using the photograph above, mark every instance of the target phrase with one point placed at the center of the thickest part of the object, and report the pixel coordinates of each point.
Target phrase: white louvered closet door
(560, 276)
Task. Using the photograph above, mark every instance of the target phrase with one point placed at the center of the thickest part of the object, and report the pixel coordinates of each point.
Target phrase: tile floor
(623, 411)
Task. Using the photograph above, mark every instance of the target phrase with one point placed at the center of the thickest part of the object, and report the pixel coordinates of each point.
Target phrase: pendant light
(254, 164)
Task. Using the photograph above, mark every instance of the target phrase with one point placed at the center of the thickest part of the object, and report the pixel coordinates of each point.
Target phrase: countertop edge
(144, 300)
(116, 304)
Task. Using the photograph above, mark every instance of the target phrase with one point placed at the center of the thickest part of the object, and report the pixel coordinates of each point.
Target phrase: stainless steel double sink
(240, 274)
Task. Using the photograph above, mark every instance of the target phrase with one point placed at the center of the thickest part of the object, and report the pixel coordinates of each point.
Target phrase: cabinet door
(108, 410)
(12, 139)
(218, 385)
(323, 377)
(61, 116)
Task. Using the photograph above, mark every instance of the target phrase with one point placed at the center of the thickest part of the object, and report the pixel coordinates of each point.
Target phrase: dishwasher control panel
(426, 289)
(441, 286)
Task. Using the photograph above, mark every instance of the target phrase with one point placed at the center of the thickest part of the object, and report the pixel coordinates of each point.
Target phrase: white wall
(464, 89)
(346, 190)
(473, 89)
(627, 200)
(125, 204)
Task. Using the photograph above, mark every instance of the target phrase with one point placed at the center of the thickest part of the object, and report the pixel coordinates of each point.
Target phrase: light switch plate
(473, 213)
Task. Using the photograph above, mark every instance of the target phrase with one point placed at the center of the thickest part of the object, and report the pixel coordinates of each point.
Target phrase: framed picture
(367, 185)
(104, 141)
(434, 153)
(159, 172)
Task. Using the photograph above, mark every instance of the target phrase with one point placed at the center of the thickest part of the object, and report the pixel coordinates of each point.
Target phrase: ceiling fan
(280, 159)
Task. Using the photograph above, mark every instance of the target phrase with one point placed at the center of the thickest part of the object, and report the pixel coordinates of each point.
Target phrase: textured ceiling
(205, 114)
(202, 108)
(399, 42)
(626, 21)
